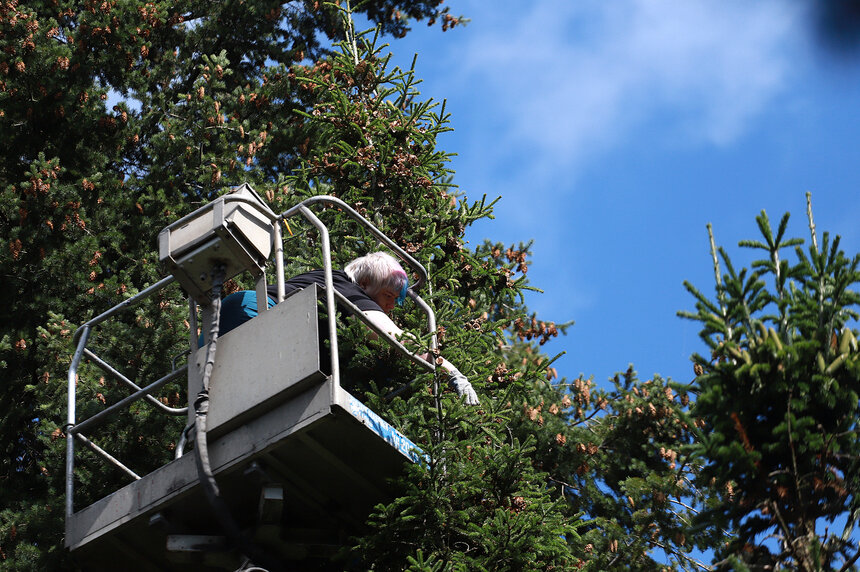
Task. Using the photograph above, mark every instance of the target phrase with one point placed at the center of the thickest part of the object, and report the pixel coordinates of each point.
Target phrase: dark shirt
(350, 290)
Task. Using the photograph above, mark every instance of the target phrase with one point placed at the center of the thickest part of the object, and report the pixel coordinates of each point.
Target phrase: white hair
(375, 271)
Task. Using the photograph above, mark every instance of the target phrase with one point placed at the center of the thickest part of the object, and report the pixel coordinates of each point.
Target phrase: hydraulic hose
(204, 469)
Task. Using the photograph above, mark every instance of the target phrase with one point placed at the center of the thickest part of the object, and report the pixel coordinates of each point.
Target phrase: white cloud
(572, 79)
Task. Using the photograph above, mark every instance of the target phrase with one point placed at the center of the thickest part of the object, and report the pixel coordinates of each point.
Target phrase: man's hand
(464, 389)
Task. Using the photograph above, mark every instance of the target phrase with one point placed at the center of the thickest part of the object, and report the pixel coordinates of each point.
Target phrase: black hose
(204, 469)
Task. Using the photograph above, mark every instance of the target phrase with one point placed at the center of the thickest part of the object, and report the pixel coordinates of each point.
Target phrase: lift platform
(299, 461)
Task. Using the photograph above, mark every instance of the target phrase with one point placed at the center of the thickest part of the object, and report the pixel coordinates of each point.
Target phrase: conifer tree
(481, 503)
(119, 117)
(631, 469)
(779, 399)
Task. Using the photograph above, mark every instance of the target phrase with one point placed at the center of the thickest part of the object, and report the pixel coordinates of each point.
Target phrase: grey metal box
(263, 361)
(236, 230)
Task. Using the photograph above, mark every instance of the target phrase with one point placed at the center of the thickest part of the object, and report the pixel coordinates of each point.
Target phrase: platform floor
(323, 459)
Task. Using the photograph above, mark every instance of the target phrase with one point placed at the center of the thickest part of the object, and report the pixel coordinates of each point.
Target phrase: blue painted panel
(382, 428)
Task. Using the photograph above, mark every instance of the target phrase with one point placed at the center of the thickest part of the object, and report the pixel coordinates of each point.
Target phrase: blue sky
(615, 131)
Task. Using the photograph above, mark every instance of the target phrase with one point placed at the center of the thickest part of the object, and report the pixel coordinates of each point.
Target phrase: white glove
(463, 388)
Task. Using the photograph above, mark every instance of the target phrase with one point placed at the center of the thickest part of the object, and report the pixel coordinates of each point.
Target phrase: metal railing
(75, 429)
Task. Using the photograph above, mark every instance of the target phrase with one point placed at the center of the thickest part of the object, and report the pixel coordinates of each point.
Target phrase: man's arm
(456, 379)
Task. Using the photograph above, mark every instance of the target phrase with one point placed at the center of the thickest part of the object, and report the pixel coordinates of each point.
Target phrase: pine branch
(811, 221)
(718, 281)
(679, 554)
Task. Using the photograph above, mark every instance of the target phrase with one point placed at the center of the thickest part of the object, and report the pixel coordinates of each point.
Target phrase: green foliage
(120, 116)
(117, 117)
(480, 503)
(197, 105)
(478, 507)
(623, 458)
(779, 396)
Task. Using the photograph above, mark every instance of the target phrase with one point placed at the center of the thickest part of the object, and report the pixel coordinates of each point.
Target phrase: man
(375, 283)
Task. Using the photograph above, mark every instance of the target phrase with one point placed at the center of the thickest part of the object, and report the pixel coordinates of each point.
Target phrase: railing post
(70, 422)
(329, 293)
(279, 261)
